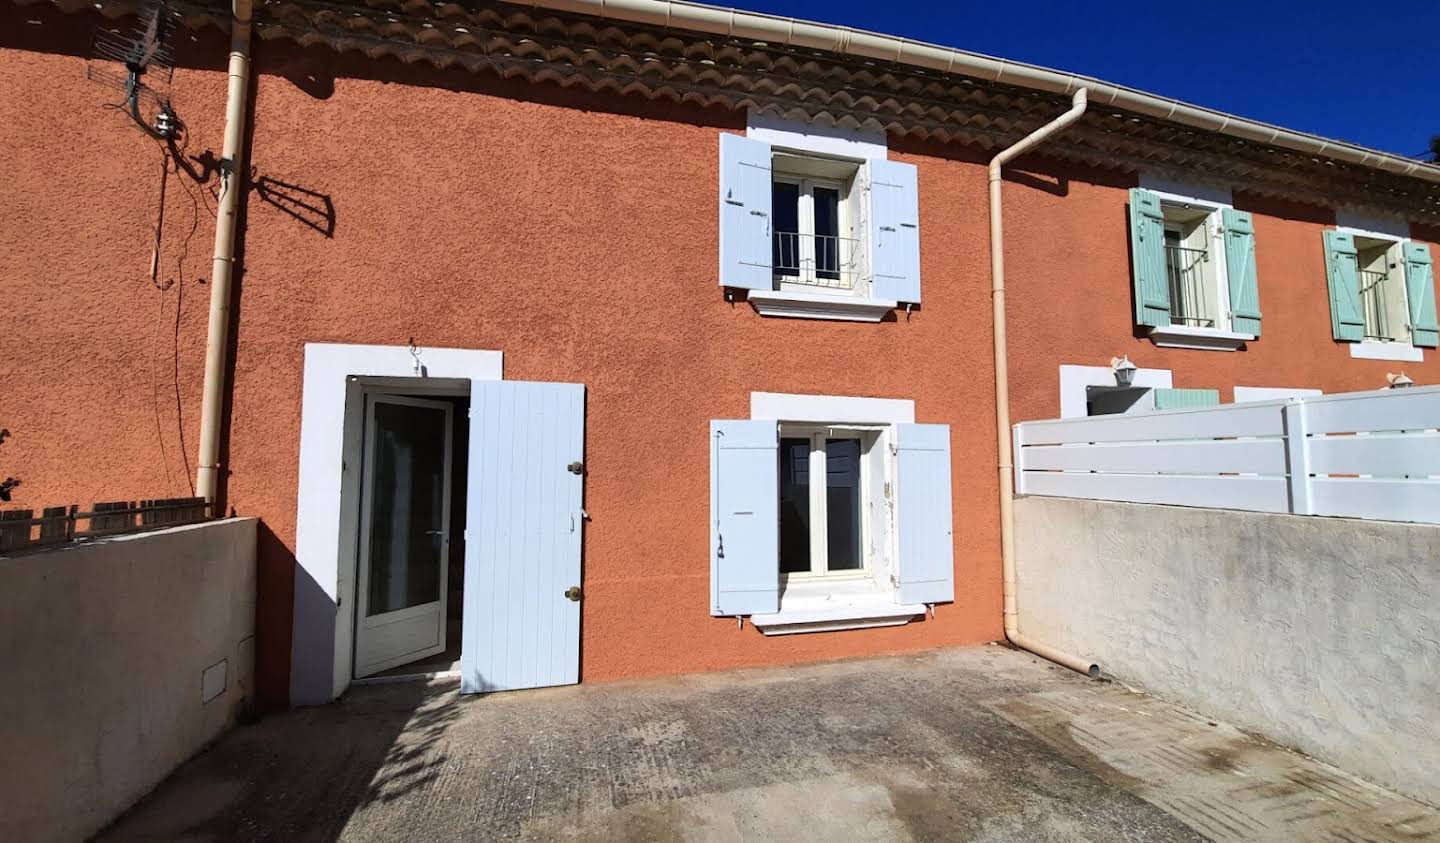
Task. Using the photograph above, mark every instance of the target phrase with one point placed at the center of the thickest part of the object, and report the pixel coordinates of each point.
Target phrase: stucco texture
(574, 233)
(1317, 632)
(577, 234)
(1070, 301)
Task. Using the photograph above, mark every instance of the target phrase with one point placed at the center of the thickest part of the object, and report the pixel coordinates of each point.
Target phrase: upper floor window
(1382, 294)
(1382, 300)
(817, 234)
(1194, 271)
(1189, 270)
(814, 239)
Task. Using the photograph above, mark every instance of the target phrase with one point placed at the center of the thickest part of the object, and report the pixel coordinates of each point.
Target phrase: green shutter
(1240, 266)
(1147, 259)
(1342, 272)
(1178, 399)
(1420, 290)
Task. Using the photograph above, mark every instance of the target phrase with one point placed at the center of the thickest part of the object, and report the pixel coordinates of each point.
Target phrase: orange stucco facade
(576, 233)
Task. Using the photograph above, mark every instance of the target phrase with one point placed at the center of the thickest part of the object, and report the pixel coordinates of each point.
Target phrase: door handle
(434, 532)
(573, 593)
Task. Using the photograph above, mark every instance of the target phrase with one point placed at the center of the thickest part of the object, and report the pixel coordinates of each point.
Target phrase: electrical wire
(172, 156)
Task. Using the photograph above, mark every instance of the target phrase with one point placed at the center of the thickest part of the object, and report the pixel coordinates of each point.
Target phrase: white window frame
(1394, 232)
(1206, 235)
(1397, 298)
(1209, 234)
(826, 142)
(819, 501)
(807, 280)
(1214, 202)
(845, 601)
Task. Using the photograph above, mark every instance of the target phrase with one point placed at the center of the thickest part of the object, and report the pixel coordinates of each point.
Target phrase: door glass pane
(794, 505)
(406, 506)
(785, 245)
(827, 233)
(842, 491)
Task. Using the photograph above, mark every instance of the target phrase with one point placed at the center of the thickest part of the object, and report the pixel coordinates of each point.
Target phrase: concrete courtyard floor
(983, 744)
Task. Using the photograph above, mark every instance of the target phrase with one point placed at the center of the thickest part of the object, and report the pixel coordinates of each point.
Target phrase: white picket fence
(1369, 455)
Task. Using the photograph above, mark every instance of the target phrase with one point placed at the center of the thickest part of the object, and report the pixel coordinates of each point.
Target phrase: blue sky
(1366, 73)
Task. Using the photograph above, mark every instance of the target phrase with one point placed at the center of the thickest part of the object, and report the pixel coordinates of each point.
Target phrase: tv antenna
(148, 66)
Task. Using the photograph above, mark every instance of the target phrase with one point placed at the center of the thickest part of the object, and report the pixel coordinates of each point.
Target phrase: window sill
(799, 305)
(1399, 351)
(829, 605)
(1198, 339)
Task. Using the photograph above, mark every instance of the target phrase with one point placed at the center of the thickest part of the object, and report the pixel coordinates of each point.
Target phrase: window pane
(827, 233)
(842, 491)
(407, 507)
(785, 211)
(794, 505)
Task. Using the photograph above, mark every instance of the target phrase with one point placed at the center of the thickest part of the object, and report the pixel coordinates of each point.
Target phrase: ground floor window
(822, 508)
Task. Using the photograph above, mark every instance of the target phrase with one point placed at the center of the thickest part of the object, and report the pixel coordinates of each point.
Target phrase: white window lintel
(1376, 227)
(1184, 193)
(816, 136)
(831, 409)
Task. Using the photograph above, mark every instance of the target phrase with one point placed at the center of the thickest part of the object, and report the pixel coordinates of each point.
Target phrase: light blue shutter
(1147, 259)
(1342, 274)
(895, 231)
(744, 517)
(922, 511)
(522, 536)
(1240, 267)
(745, 213)
(1420, 290)
(1176, 399)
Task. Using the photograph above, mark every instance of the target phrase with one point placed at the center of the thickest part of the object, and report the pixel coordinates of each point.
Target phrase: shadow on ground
(982, 744)
(301, 775)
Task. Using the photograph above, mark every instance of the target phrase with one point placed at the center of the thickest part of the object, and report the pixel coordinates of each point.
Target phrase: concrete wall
(104, 651)
(1321, 633)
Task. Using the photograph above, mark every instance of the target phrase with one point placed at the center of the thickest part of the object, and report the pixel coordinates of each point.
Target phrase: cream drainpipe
(1002, 392)
(232, 188)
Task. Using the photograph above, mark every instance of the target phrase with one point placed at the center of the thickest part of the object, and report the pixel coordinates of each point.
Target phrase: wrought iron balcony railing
(1189, 296)
(820, 260)
(1372, 301)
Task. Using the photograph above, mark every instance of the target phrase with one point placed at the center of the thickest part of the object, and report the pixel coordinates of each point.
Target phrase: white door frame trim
(321, 646)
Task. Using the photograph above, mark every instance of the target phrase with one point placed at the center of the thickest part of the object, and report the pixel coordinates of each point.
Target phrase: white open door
(404, 532)
(523, 528)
